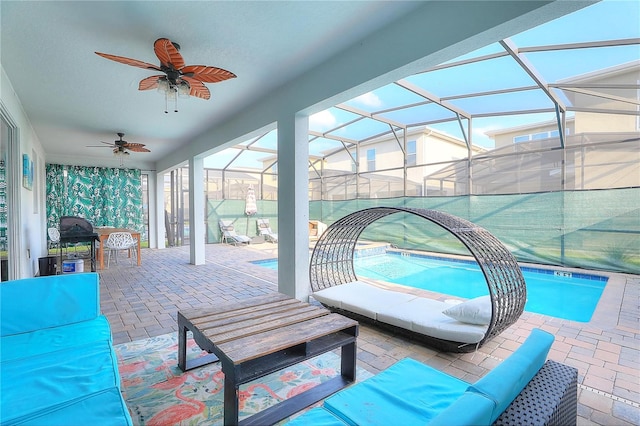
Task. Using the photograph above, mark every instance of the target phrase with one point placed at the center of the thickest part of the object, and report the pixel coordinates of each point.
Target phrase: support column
(160, 212)
(196, 210)
(152, 185)
(293, 206)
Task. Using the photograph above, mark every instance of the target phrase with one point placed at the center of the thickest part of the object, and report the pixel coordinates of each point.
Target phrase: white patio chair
(119, 241)
(54, 238)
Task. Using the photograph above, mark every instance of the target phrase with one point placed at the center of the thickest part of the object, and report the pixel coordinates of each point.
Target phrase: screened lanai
(535, 137)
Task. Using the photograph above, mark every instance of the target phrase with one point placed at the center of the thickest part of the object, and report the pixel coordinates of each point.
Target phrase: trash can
(48, 265)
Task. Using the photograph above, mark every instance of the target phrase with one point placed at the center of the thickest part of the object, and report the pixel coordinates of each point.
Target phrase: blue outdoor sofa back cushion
(36, 303)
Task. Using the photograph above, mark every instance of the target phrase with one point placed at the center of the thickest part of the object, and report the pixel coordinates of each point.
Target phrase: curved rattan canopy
(332, 259)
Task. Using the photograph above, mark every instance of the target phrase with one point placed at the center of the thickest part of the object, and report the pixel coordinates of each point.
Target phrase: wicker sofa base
(550, 398)
(433, 342)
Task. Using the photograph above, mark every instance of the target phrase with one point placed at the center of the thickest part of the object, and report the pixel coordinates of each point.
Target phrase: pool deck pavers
(143, 301)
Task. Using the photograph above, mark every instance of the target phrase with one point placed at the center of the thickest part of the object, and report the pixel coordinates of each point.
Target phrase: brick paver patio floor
(142, 301)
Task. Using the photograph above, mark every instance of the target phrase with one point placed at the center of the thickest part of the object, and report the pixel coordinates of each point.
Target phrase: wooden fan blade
(129, 61)
(149, 82)
(168, 54)
(207, 74)
(136, 147)
(198, 89)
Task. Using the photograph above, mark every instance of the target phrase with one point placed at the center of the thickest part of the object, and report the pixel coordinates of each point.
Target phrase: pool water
(568, 296)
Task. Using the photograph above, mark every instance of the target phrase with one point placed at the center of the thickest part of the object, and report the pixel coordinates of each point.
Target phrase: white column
(154, 221)
(196, 210)
(159, 207)
(293, 206)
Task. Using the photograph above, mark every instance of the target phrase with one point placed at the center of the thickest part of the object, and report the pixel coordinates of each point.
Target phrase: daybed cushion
(423, 315)
(361, 298)
(507, 380)
(419, 314)
(473, 311)
(417, 392)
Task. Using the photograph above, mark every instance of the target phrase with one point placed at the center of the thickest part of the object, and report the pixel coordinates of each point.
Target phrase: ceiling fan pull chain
(166, 105)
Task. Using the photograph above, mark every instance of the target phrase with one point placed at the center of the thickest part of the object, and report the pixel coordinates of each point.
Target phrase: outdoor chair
(119, 241)
(229, 234)
(54, 238)
(264, 229)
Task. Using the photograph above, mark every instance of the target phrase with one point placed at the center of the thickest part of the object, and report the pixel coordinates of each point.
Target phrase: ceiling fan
(178, 79)
(121, 147)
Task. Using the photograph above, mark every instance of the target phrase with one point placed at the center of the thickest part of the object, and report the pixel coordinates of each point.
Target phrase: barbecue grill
(78, 230)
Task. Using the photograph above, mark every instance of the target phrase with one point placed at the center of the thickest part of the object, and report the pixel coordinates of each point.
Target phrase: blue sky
(607, 20)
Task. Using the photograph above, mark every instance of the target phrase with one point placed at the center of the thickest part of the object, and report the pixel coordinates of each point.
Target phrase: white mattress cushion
(417, 309)
(418, 314)
(361, 298)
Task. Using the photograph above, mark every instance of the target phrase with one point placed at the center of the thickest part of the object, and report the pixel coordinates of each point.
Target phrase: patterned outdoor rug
(157, 392)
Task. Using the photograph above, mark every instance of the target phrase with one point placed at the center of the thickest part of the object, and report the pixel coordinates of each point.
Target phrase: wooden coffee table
(261, 335)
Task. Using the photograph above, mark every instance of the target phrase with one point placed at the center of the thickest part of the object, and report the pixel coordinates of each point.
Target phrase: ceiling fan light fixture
(183, 89)
(163, 85)
(121, 154)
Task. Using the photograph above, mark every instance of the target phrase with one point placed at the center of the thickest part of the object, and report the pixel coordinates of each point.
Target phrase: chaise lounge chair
(264, 229)
(229, 234)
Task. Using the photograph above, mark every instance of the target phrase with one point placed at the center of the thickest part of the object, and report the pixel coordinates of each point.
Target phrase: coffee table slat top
(237, 306)
(259, 324)
(271, 341)
(225, 320)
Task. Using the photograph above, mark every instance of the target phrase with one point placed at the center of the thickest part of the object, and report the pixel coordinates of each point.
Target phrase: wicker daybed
(335, 284)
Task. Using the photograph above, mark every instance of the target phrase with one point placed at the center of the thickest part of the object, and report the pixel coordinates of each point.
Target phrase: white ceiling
(75, 98)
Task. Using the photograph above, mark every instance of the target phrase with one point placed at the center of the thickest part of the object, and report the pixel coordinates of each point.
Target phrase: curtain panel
(103, 196)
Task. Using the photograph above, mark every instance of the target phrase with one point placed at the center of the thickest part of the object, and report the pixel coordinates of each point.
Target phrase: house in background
(611, 93)
(377, 168)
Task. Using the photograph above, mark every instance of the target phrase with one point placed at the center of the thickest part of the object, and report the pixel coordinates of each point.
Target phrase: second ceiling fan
(120, 146)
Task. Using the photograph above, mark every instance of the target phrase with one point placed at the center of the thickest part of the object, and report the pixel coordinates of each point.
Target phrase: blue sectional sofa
(522, 390)
(57, 363)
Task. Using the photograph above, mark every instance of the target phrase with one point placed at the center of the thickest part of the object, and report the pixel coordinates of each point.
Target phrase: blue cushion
(105, 408)
(406, 393)
(56, 379)
(25, 345)
(318, 416)
(506, 381)
(470, 409)
(35, 303)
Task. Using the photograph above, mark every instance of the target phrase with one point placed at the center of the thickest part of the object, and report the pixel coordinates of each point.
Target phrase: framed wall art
(27, 172)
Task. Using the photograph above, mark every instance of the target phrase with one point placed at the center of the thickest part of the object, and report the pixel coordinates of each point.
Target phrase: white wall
(31, 210)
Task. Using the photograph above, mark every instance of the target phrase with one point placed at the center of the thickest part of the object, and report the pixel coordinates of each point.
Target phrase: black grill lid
(75, 226)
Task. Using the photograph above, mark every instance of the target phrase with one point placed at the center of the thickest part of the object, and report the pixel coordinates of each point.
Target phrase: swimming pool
(553, 293)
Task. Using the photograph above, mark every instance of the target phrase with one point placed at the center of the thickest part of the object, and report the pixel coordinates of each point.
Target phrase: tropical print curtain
(103, 196)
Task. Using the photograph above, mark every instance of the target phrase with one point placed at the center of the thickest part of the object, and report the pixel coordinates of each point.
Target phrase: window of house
(354, 162)
(411, 153)
(537, 136)
(371, 159)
